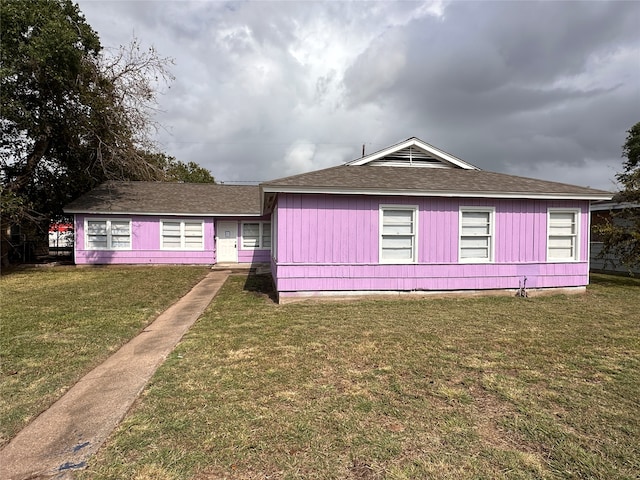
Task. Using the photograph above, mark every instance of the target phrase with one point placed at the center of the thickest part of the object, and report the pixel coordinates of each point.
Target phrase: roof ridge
(301, 174)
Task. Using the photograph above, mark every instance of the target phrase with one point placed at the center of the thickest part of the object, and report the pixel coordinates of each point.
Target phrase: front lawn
(58, 323)
(491, 387)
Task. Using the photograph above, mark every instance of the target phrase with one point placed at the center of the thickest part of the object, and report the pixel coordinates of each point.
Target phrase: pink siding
(145, 240)
(330, 242)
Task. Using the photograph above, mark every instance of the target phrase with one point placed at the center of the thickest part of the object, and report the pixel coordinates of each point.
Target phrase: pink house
(409, 218)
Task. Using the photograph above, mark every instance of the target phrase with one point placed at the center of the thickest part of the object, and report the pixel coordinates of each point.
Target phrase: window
(562, 235)
(476, 234)
(108, 234)
(182, 235)
(398, 234)
(256, 236)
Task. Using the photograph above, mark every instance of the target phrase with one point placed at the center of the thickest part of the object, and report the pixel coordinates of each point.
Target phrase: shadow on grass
(614, 280)
(261, 285)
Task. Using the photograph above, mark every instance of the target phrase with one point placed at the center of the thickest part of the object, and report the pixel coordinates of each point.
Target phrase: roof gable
(413, 152)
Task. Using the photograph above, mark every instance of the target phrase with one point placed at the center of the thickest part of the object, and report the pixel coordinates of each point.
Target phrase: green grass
(58, 323)
(475, 388)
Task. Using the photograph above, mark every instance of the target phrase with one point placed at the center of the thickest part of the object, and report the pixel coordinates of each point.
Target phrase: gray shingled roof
(429, 181)
(169, 198)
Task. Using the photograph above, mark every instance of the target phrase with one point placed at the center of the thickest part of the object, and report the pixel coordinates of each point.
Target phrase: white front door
(227, 242)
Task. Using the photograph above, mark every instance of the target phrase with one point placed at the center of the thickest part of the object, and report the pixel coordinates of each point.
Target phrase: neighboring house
(601, 213)
(60, 236)
(407, 218)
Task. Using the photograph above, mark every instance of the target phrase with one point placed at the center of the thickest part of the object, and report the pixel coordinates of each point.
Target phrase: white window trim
(576, 237)
(491, 234)
(274, 233)
(108, 221)
(261, 224)
(182, 236)
(414, 253)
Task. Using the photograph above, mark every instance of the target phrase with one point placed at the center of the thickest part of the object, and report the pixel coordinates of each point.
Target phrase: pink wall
(330, 242)
(145, 248)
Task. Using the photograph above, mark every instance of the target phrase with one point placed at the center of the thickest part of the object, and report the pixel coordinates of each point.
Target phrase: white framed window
(477, 228)
(398, 233)
(182, 235)
(256, 235)
(107, 234)
(562, 234)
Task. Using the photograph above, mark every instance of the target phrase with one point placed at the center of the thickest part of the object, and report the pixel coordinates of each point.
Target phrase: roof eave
(159, 214)
(436, 193)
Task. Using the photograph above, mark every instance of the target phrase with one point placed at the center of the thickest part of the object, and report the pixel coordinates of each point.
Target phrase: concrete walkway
(63, 437)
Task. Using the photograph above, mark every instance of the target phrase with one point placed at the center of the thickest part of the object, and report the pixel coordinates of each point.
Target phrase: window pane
(561, 247)
(475, 218)
(397, 241)
(562, 223)
(397, 216)
(97, 227)
(564, 253)
(562, 229)
(97, 241)
(193, 243)
(560, 242)
(475, 230)
(397, 229)
(476, 223)
(397, 254)
(397, 222)
(397, 247)
(193, 228)
(118, 241)
(466, 242)
(119, 228)
(170, 242)
(562, 218)
(266, 235)
(478, 253)
(170, 228)
(250, 235)
(250, 229)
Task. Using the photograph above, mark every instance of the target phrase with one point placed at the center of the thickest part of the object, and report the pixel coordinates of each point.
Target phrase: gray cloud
(267, 89)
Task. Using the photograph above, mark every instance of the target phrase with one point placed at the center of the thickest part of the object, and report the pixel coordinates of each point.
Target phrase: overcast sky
(264, 90)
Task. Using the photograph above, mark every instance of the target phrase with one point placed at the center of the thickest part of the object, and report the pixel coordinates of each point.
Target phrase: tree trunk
(40, 148)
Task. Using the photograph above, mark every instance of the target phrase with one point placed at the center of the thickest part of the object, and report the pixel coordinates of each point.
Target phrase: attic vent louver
(410, 157)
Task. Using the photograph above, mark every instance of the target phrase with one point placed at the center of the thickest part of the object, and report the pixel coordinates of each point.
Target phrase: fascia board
(438, 193)
(171, 214)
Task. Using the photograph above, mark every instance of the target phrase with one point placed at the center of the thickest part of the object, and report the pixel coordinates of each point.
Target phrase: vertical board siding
(331, 242)
(292, 278)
